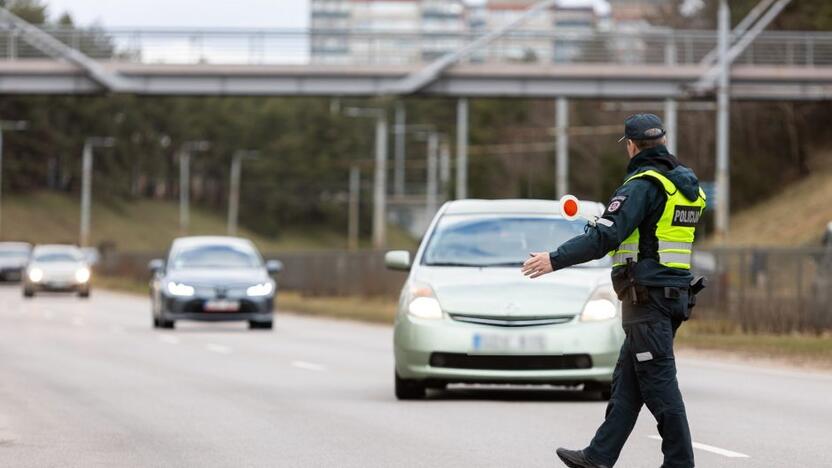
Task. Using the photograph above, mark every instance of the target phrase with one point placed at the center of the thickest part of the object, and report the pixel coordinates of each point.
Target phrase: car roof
(191, 241)
(15, 245)
(517, 206)
(56, 248)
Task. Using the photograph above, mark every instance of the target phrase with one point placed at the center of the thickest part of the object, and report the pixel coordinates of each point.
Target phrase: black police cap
(643, 127)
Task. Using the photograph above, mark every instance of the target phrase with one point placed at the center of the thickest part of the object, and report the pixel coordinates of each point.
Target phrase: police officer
(648, 228)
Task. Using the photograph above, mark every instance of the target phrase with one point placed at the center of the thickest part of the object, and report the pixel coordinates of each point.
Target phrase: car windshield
(14, 253)
(498, 240)
(216, 256)
(49, 257)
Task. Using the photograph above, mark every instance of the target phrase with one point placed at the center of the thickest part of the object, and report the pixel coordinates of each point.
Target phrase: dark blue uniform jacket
(636, 204)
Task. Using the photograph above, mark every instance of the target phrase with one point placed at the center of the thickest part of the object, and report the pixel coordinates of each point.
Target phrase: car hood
(218, 276)
(57, 268)
(12, 262)
(506, 292)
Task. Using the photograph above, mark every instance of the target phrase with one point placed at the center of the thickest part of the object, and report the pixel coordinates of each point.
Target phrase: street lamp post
(86, 184)
(437, 164)
(723, 181)
(234, 189)
(185, 181)
(355, 190)
(432, 182)
(380, 173)
(7, 125)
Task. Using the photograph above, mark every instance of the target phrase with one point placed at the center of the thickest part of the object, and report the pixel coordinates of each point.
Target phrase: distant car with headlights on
(467, 314)
(57, 268)
(13, 259)
(213, 278)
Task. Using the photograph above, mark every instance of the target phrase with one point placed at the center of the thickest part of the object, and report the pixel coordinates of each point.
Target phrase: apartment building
(385, 31)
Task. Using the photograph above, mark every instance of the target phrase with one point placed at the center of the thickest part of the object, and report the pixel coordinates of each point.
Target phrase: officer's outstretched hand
(538, 265)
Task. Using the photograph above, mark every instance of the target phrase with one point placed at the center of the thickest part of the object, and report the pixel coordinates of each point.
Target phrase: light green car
(466, 313)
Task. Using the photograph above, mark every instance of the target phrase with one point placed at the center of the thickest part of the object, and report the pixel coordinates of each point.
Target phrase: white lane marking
(168, 339)
(218, 348)
(48, 314)
(308, 366)
(712, 449)
(78, 321)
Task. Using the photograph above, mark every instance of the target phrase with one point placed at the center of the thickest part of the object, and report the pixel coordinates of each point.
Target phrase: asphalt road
(89, 384)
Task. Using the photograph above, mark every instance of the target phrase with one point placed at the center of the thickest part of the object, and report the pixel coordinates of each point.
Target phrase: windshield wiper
(502, 264)
(453, 264)
(475, 265)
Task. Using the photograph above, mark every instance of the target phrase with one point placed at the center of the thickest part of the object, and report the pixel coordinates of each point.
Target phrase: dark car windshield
(498, 240)
(216, 256)
(47, 257)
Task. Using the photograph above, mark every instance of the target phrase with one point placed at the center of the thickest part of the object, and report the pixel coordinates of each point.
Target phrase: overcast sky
(188, 13)
(200, 13)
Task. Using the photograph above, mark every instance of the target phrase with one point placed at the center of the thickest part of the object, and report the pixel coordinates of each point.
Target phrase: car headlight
(423, 303)
(179, 289)
(35, 275)
(82, 275)
(262, 289)
(602, 305)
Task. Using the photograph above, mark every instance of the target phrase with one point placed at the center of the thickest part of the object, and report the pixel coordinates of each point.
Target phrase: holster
(626, 288)
(696, 286)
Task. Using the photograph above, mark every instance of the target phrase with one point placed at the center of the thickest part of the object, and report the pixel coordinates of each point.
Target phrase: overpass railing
(347, 47)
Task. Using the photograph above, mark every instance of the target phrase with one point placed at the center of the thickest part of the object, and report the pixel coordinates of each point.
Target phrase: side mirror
(156, 265)
(274, 266)
(397, 260)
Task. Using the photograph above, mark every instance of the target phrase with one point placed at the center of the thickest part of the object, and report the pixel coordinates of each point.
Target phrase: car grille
(508, 362)
(512, 321)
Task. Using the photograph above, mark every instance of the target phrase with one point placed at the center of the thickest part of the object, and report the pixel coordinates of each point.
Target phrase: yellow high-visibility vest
(675, 230)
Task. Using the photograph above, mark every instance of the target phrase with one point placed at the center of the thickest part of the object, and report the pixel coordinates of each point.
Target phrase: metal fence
(318, 273)
(768, 290)
(355, 47)
(756, 290)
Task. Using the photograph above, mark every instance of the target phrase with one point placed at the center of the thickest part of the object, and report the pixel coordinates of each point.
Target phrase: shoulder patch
(615, 203)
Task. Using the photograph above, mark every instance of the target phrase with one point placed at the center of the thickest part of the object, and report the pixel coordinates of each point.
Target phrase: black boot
(576, 459)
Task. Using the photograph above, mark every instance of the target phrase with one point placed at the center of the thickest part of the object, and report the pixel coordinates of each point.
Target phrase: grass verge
(794, 349)
(150, 225)
(121, 284)
(376, 310)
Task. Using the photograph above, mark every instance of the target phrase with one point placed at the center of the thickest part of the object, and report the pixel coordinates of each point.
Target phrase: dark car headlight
(180, 289)
(260, 290)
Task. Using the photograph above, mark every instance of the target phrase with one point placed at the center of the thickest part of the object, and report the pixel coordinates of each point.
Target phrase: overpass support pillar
(671, 107)
(562, 147)
(462, 149)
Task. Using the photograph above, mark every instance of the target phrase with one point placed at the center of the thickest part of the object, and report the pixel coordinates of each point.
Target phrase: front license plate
(517, 343)
(222, 306)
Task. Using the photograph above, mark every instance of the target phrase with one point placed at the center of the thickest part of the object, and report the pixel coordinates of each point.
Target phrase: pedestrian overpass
(510, 80)
(662, 64)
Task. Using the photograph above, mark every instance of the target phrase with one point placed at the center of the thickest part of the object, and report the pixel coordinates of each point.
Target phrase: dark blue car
(213, 279)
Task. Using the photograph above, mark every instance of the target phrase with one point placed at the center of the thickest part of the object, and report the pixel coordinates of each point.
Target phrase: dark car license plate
(222, 306)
